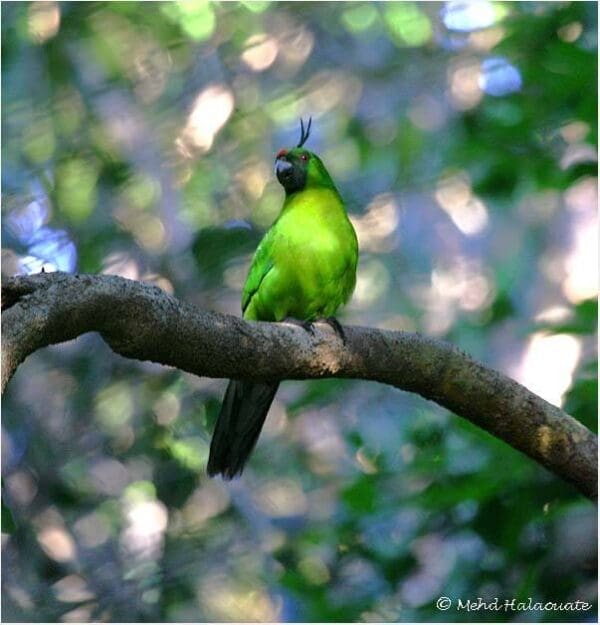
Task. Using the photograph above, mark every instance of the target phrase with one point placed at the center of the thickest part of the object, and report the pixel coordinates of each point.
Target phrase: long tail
(243, 413)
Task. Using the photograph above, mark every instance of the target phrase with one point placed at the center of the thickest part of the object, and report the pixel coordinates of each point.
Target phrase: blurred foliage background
(138, 139)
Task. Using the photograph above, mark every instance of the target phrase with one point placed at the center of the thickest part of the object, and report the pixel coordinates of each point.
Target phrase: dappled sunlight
(227, 600)
(253, 178)
(397, 322)
(375, 229)
(147, 519)
(57, 543)
(44, 20)
(364, 462)
(581, 261)
(485, 40)
(282, 498)
(462, 285)
(211, 110)
(360, 17)
(465, 284)
(160, 281)
(125, 128)
(455, 196)
(166, 408)
(53, 536)
(468, 15)
(47, 247)
(582, 197)
(206, 502)
(407, 24)
(141, 191)
(76, 190)
(53, 249)
(314, 569)
(372, 282)
(22, 486)
(570, 32)
(143, 61)
(72, 589)
(148, 230)
(32, 264)
(575, 131)
(464, 83)
(553, 314)
(24, 222)
(499, 77)
(548, 365)
(81, 614)
(296, 43)
(435, 560)
(324, 91)
(121, 264)
(196, 18)
(114, 406)
(260, 53)
(327, 90)
(577, 154)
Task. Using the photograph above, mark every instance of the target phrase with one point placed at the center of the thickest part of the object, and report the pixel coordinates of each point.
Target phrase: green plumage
(305, 268)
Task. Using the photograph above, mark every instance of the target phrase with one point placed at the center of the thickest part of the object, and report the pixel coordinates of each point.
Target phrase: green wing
(262, 263)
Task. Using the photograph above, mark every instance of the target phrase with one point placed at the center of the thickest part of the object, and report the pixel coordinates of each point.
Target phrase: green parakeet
(303, 269)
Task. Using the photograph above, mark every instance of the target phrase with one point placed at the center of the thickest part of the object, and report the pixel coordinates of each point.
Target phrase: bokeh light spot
(549, 382)
(455, 197)
(260, 53)
(195, 17)
(407, 24)
(468, 15)
(463, 79)
(43, 20)
(359, 18)
(211, 109)
(77, 188)
(499, 78)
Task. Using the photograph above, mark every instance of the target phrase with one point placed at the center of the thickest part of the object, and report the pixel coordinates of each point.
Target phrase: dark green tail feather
(240, 421)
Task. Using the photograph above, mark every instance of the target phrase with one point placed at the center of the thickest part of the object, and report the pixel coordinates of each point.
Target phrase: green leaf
(361, 495)
(8, 521)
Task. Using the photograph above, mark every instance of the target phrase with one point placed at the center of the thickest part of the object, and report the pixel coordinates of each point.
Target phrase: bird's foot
(308, 326)
(336, 326)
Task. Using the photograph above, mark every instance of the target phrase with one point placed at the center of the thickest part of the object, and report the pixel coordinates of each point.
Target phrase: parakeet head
(298, 169)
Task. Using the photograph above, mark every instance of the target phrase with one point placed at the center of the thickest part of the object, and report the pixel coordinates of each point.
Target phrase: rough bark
(141, 321)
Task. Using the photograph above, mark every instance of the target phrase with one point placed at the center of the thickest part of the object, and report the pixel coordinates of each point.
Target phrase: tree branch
(140, 321)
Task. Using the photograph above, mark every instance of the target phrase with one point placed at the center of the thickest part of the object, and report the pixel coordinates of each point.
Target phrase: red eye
(304, 157)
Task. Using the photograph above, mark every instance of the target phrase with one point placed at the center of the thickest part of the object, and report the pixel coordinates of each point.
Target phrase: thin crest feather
(304, 132)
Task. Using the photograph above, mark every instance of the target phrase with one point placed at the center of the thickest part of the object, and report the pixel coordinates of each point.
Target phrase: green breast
(313, 255)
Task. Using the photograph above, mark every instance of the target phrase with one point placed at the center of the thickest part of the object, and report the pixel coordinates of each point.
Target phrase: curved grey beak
(281, 167)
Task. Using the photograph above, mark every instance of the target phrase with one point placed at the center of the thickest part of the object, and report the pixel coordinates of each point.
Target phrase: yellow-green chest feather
(305, 266)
